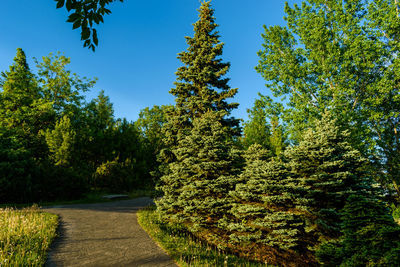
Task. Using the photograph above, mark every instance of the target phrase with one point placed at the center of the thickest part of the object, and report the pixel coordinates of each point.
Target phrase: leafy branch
(84, 15)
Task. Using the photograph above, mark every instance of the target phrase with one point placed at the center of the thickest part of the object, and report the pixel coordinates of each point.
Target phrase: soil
(104, 234)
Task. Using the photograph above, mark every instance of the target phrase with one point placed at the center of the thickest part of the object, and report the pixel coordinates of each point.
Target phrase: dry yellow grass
(25, 236)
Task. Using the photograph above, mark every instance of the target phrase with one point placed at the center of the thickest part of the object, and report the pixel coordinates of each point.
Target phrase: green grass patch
(25, 236)
(184, 249)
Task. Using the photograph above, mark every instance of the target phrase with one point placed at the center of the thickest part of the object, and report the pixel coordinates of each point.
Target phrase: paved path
(104, 234)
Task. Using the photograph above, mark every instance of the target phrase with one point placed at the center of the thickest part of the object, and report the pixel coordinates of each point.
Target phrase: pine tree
(195, 174)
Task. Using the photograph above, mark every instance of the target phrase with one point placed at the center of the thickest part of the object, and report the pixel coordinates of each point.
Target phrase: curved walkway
(104, 234)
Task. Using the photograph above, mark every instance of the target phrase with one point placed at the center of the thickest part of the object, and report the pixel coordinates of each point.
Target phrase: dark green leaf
(85, 33)
(60, 3)
(86, 43)
(68, 5)
(76, 24)
(95, 39)
(73, 17)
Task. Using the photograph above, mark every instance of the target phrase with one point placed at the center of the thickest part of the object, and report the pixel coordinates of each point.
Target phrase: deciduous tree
(342, 56)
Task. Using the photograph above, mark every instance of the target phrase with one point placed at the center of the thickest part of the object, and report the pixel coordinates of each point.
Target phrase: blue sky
(135, 62)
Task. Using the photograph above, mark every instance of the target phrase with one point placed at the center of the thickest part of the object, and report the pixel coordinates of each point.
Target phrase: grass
(25, 236)
(183, 248)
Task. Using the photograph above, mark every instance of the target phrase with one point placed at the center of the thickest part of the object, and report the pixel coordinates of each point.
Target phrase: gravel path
(104, 234)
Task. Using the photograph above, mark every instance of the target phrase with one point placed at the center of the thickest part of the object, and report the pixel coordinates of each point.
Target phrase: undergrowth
(183, 248)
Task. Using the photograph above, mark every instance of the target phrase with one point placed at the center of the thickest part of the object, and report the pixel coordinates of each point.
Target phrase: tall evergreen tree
(23, 114)
(198, 132)
(22, 109)
(205, 166)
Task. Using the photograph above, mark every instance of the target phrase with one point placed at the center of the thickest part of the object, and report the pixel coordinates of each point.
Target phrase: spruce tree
(197, 160)
(206, 165)
(329, 171)
(266, 221)
(370, 236)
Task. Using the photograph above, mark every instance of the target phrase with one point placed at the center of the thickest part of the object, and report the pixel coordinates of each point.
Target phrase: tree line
(56, 145)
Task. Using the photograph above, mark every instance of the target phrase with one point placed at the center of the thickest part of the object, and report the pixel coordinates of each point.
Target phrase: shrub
(59, 183)
(118, 176)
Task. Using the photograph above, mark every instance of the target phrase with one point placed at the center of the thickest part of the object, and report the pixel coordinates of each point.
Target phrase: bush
(118, 176)
(59, 183)
(17, 171)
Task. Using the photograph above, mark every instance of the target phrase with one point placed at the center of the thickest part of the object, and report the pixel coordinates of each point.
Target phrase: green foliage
(370, 236)
(150, 123)
(59, 86)
(185, 249)
(257, 130)
(22, 110)
(22, 113)
(61, 142)
(329, 170)
(204, 171)
(284, 207)
(52, 143)
(117, 176)
(266, 221)
(264, 126)
(199, 162)
(57, 182)
(342, 56)
(25, 236)
(84, 14)
(17, 169)
(396, 212)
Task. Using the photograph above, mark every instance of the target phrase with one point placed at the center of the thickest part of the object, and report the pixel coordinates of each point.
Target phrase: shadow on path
(104, 234)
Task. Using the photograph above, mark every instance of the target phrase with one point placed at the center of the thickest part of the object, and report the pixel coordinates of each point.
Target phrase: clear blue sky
(136, 58)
